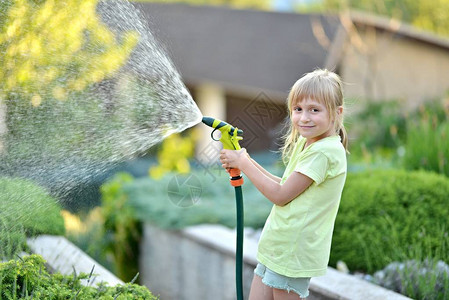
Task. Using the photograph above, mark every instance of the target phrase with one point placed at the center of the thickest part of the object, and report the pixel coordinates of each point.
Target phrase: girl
(296, 239)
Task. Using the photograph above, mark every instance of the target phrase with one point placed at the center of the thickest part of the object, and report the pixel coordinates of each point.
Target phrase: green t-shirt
(296, 238)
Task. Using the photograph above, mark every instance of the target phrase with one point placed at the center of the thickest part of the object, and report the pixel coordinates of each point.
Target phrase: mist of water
(62, 143)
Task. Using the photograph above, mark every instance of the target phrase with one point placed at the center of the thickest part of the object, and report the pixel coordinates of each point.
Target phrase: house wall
(261, 119)
(211, 101)
(386, 66)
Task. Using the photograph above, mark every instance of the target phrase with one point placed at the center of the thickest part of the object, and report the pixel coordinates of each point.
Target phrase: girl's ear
(337, 117)
(339, 110)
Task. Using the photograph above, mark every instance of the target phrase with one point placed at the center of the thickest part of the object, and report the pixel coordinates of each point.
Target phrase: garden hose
(230, 137)
(239, 243)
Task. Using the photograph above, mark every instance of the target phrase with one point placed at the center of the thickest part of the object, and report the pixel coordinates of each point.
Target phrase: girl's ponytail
(344, 137)
(341, 131)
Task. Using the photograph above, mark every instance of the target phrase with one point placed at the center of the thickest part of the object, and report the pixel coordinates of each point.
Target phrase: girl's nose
(305, 117)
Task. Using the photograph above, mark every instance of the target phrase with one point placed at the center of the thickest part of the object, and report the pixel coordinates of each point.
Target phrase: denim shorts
(274, 280)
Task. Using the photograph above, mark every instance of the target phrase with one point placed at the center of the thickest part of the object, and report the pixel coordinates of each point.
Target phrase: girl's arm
(279, 194)
(262, 169)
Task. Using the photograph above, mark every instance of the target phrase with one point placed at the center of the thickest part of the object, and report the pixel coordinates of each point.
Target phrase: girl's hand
(233, 158)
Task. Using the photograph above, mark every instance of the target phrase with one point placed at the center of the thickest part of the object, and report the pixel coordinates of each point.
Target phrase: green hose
(239, 241)
(230, 137)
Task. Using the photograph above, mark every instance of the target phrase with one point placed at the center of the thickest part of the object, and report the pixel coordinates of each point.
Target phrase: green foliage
(36, 131)
(424, 280)
(418, 279)
(427, 141)
(428, 15)
(28, 278)
(380, 124)
(121, 229)
(174, 155)
(57, 47)
(90, 236)
(385, 215)
(385, 134)
(153, 201)
(388, 215)
(26, 209)
(254, 4)
(4, 7)
(57, 58)
(127, 202)
(82, 128)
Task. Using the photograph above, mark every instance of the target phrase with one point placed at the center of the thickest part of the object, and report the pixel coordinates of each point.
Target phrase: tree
(253, 4)
(428, 15)
(55, 55)
(51, 48)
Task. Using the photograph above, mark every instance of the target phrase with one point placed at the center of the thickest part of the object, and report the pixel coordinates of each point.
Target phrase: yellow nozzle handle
(230, 136)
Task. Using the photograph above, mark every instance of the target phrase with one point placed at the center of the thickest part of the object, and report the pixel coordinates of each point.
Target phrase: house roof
(250, 51)
(393, 25)
(241, 50)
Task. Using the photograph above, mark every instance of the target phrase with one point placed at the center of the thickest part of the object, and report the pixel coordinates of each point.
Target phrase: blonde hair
(325, 87)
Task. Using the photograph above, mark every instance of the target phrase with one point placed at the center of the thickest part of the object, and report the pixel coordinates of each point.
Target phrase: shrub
(121, 230)
(427, 145)
(156, 201)
(379, 124)
(26, 209)
(89, 236)
(427, 279)
(388, 215)
(27, 278)
(381, 132)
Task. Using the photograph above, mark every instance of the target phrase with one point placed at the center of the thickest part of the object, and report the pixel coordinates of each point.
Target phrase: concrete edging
(64, 257)
(221, 240)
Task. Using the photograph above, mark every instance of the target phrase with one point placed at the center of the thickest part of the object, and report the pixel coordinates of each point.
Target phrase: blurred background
(238, 60)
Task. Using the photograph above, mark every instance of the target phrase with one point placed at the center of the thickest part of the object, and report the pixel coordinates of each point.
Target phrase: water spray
(230, 137)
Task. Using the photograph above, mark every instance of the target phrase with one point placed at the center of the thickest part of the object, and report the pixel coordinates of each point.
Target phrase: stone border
(64, 257)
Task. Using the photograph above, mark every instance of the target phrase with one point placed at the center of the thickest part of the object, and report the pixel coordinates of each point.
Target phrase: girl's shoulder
(329, 146)
(323, 159)
(330, 142)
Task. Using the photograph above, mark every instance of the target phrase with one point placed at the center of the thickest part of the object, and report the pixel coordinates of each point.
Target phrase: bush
(161, 203)
(121, 230)
(428, 279)
(391, 215)
(387, 134)
(378, 125)
(26, 209)
(427, 145)
(27, 278)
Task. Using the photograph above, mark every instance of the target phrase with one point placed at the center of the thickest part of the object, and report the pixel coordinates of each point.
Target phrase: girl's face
(311, 119)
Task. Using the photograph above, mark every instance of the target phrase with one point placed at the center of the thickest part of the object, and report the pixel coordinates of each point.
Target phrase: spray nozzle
(230, 135)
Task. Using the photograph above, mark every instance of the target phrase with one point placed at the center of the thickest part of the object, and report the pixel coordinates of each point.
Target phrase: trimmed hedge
(391, 215)
(26, 209)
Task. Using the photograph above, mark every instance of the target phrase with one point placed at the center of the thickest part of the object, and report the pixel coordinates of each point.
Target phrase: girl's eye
(314, 110)
(297, 109)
